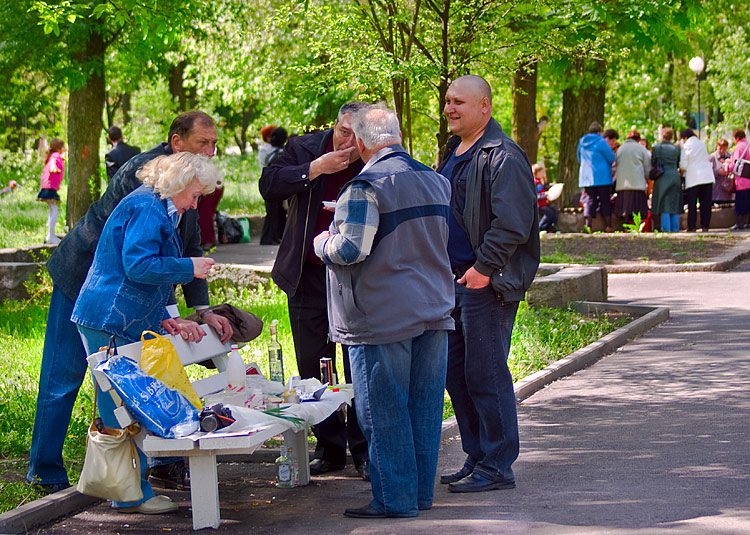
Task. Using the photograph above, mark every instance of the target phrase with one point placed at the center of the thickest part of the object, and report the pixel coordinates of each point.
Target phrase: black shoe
(170, 476)
(477, 482)
(51, 488)
(368, 511)
(321, 466)
(365, 512)
(737, 227)
(364, 470)
(452, 477)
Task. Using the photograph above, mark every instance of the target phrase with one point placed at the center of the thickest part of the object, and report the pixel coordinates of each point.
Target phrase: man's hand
(473, 279)
(322, 236)
(189, 330)
(220, 324)
(330, 162)
(201, 266)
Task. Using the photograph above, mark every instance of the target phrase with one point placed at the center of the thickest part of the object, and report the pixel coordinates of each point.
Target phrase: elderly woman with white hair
(137, 263)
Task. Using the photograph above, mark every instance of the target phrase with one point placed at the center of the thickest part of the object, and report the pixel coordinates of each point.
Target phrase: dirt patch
(630, 248)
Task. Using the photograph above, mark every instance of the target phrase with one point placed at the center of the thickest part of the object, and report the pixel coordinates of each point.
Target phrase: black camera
(215, 417)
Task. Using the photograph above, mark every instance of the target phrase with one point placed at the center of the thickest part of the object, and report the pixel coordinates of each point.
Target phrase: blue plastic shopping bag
(161, 410)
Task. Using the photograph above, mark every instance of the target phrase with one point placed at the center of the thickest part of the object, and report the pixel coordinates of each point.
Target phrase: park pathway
(650, 440)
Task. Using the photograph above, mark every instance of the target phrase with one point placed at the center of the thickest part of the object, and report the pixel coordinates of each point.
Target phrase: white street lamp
(698, 66)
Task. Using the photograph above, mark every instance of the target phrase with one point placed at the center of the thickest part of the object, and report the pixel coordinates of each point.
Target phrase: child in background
(52, 176)
(10, 188)
(547, 211)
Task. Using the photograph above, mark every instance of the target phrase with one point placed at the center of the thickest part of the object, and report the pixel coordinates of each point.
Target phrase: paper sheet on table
(250, 420)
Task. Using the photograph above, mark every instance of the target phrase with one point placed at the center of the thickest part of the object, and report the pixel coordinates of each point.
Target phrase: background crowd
(654, 185)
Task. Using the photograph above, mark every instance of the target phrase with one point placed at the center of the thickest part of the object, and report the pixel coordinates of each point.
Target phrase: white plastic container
(236, 370)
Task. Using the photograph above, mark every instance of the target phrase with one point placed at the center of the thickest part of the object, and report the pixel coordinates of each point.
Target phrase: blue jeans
(60, 378)
(399, 397)
(670, 222)
(479, 382)
(92, 341)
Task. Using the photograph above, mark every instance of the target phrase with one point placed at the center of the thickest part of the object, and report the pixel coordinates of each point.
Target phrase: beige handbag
(112, 468)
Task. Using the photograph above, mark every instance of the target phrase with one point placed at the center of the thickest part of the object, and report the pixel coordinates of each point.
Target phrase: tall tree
(85, 31)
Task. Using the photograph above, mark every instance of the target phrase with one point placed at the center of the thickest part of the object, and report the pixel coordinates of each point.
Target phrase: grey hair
(169, 175)
(353, 108)
(377, 126)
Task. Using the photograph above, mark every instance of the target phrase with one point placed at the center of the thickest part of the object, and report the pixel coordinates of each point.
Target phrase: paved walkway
(651, 440)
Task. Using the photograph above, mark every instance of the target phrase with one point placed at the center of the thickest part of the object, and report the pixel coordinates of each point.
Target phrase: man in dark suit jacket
(64, 358)
(121, 152)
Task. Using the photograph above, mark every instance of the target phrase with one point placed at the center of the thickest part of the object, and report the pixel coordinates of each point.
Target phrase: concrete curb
(649, 318)
(47, 509)
(44, 510)
(725, 262)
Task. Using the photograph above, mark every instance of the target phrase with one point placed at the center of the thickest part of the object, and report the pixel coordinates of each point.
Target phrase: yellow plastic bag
(159, 359)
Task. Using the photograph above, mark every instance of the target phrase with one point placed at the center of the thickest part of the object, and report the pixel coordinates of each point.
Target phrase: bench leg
(298, 441)
(204, 491)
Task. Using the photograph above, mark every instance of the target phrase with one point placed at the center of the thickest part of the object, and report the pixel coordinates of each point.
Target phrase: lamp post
(698, 67)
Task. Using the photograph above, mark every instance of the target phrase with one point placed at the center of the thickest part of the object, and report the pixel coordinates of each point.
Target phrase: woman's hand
(189, 330)
(201, 266)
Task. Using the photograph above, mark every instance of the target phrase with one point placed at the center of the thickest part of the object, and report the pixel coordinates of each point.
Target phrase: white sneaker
(52, 240)
(153, 506)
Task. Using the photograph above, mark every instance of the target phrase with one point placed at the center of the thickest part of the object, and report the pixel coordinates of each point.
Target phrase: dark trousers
(273, 223)
(206, 212)
(308, 314)
(701, 193)
(479, 381)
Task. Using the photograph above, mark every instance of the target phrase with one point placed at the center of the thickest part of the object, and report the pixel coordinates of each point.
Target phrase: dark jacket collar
(492, 137)
(317, 143)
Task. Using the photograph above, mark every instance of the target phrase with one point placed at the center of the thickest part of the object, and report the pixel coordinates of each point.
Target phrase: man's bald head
(475, 84)
(468, 106)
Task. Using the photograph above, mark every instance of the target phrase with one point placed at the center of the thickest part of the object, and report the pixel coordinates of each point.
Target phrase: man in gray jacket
(494, 254)
(390, 293)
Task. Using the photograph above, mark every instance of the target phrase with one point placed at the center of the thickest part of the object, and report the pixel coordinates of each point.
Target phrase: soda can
(326, 370)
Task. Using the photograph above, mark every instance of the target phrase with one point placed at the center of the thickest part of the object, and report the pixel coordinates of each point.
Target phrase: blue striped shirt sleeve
(355, 223)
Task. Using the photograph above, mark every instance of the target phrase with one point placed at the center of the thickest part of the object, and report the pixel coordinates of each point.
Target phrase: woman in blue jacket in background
(137, 263)
(595, 175)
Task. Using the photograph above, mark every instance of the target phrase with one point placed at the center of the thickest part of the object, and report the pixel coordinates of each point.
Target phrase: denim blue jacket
(138, 259)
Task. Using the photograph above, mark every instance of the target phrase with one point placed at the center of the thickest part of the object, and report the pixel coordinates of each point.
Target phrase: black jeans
(308, 314)
(702, 193)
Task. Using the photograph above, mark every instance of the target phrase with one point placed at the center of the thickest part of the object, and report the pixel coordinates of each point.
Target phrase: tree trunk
(525, 129)
(581, 106)
(443, 134)
(176, 86)
(84, 129)
(126, 108)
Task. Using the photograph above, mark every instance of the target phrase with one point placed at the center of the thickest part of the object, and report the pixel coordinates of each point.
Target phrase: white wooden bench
(204, 490)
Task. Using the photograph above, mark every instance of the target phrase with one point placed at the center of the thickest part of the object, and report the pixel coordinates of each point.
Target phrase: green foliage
(636, 227)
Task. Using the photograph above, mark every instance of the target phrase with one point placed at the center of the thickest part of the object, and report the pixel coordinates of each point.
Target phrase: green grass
(241, 195)
(23, 219)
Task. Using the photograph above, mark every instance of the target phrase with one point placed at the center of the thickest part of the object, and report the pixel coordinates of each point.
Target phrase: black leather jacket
(500, 213)
(287, 178)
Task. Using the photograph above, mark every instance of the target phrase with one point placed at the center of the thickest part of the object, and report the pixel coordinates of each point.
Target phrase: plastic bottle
(275, 358)
(235, 370)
